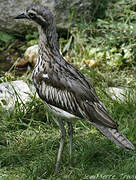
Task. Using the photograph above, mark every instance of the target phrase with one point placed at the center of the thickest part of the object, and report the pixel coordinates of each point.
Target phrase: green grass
(29, 136)
(29, 140)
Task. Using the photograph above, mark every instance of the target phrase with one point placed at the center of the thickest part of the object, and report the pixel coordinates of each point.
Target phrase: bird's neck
(48, 40)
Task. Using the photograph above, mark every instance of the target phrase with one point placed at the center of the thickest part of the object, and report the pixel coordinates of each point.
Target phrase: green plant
(5, 40)
(110, 40)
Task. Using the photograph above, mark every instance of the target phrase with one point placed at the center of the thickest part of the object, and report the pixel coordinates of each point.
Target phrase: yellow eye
(31, 15)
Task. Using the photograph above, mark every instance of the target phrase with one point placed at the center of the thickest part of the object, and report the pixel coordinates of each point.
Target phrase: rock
(30, 56)
(15, 92)
(120, 94)
(65, 12)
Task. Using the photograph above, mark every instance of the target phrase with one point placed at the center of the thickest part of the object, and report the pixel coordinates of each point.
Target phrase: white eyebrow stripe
(37, 15)
(31, 11)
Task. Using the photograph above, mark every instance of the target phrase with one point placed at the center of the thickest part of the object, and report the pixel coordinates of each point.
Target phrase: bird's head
(39, 14)
(43, 17)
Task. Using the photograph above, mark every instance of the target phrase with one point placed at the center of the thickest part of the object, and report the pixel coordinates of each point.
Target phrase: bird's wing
(70, 90)
(68, 77)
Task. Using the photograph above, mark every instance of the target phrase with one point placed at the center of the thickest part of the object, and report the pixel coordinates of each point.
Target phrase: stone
(15, 92)
(65, 11)
(120, 94)
(30, 57)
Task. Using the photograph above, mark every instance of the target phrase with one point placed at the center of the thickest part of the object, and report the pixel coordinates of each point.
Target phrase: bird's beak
(21, 16)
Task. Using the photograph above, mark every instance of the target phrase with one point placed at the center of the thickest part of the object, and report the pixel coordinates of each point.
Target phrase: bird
(64, 89)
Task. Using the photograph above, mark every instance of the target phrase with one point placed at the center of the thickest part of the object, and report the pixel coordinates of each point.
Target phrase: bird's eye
(31, 15)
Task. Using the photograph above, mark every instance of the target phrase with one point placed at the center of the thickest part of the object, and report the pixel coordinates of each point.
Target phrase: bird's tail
(115, 136)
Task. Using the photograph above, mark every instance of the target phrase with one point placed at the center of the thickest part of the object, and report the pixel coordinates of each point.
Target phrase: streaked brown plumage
(65, 90)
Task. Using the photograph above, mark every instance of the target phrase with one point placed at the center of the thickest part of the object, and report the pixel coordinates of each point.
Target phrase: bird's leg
(70, 133)
(63, 133)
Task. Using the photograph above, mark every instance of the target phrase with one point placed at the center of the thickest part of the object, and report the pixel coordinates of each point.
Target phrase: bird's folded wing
(68, 89)
(69, 78)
